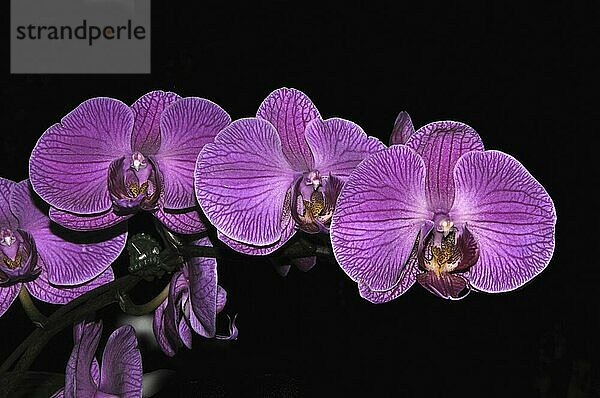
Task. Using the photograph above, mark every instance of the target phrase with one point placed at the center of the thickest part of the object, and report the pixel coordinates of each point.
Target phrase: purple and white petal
(7, 219)
(86, 222)
(160, 332)
(69, 260)
(339, 145)
(403, 129)
(43, 290)
(186, 126)
(188, 222)
(407, 278)
(69, 164)
(8, 296)
(441, 144)
(378, 218)
(147, 111)
(221, 298)
(202, 277)
(78, 380)
(242, 180)
(510, 215)
(290, 111)
(121, 372)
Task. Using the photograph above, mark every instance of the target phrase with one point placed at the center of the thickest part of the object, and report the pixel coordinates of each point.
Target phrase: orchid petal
(7, 219)
(407, 278)
(221, 298)
(8, 296)
(121, 373)
(377, 220)
(43, 290)
(242, 180)
(290, 111)
(69, 164)
(186, 126)
(147, 111)
(69, 260)
(510, 215)
(87, 222)
(441, 144)
(160, 332)
(403, 129)
(202, 276)
(188, 222)
(78, 380)
(339, 145)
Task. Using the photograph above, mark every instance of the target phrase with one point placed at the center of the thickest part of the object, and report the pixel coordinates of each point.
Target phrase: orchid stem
(31, 310)
(129, 307)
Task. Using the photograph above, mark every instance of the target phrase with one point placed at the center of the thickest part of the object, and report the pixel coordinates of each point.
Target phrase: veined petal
(7, 219)
(221, 298)
(186, 126)
(121, 372)
(339, 145)
(69, 164)
(290, 111)
(43, 290)
(160, 331)
(242, 180)
(377, 219)
(441, 144)
(288, 232)
(147, 111)
(188, 222)
(86, 222)
(202, 276)
(403, 129)
(78, 380)
(511, 216)
(407, 278)
(69, 259)
(8, 296)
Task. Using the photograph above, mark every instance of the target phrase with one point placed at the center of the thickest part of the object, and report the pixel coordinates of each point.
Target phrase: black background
(514, 74)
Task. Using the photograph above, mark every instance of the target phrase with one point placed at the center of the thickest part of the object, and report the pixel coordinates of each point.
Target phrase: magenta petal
(147, 111)
(290, 111)
(43, 290)
(87, 222)
(121, 372)
(7, 219)
(403, 129)
(78, 380)
(407, 278)
(202, 277)
(378, 217)
(441, 144)
(242, 180)
(339, 145)
(160, 332)
(68, 262)
(510, 215)
(8, 296)
(186, 126)
(288, 232)
(69, 164)
(188, 222)
(221, 298)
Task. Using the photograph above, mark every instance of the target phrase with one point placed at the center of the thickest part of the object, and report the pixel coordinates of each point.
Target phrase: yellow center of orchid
(441, 257)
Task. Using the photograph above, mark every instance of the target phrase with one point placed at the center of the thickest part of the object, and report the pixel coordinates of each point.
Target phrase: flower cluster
(434, 207)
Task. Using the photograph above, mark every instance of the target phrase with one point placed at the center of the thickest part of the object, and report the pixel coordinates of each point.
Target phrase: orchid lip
(134, 184)
(18, 260)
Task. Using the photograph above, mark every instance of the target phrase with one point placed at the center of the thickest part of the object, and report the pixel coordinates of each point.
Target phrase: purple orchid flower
(193, 303)
(120, 374)
(35, 254)
(442, 211)
(264, 177)
(403, 129)
(105, 161)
